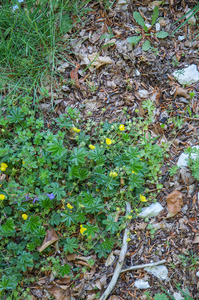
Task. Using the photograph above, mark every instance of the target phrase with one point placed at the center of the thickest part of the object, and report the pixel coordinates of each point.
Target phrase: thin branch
(144, 266)
(120, 261)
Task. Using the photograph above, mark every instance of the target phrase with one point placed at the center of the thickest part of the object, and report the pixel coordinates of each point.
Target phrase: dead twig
(144, 266)
(121, 260)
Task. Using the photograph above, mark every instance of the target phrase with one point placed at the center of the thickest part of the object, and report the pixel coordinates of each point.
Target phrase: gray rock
(158, 271)
(141, 284)
(186, 176)
(187, 76)
(152, 211)
(183, 159)
(181, 38)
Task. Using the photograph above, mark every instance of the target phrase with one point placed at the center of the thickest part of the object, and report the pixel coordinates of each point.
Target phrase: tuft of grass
(29, 42)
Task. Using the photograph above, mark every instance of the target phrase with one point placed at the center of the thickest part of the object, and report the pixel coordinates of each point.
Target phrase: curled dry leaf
(181, 92)
(174, 202)
(59, 293)
(99, 60)
(50, 238)
(74, 75)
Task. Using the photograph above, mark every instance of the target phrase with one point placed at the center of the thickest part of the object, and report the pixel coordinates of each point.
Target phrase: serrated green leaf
(65, 270)
(146, 46)
(161, 297)
(96, 153)
(134, 40)
(111, 225)
(155, 15)
(162, 34)
(136, 181)
(33, 223)
(78, 156)
(71, 244)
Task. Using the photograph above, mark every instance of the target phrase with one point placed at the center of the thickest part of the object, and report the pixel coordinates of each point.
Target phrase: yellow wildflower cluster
(2, 197)
(82, 229)
(143, 198)
(113, 174)
(24, 216)
(76, 129)
(121, 127)
(69, 206)
(108, 141)
(3, 166)
(91, 147)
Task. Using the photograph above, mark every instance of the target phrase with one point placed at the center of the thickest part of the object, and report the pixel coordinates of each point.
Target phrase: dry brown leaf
(174, 202)
(71, 257)
(59, 293)
(196, 239)
(114, 297)
(182, 92)
(74, 75)
(99, 60)
(50, 238)
(63, 280)
(153, 4)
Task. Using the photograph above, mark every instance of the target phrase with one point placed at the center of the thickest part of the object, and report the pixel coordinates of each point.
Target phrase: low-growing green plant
(73, 178)
(138, 18)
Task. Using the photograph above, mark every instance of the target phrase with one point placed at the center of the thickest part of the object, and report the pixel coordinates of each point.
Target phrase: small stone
(158, 271)
(183, 159)
(187, 76)
(137, 72)
(178, 296)
(181, 38)
(157, 27)
(152, 211)
(197, 274)
(148, 25)
(143, 94)
(141, 284)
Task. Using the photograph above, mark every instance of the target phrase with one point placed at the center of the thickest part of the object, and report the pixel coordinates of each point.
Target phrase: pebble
(157, 27)
(152, 211)
(183, 158)
(141, 284)
(158, 271)
(181, 38)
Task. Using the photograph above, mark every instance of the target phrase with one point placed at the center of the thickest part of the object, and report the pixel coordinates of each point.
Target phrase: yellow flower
(118, 234)
(143, 198)
(3, 166)
(134, 173)
(82, 229)
(24, 216)
(2, 197)
(76, 129)
(23, 162)
(113, 174)
(91, 147)
(128, 240)
(121, 127)
(130, 217)
(108, 141)
(69, 206)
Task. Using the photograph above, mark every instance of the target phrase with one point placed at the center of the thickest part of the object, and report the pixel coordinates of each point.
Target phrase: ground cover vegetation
(75, 176)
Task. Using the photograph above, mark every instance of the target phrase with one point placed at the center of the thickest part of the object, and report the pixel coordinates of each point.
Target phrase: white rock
(137, 72)
(158, 271)
(187, 76)
(192, 20)
(197, 274)
(157, 27)
(143, 94)
(183, 158)
(148, 25)
(152, 211)
(181, 38)
(178, 296)
(141, 284)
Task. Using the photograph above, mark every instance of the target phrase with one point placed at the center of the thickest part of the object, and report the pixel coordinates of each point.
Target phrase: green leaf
(91, 229)
(134, 40)
(58, 191)
(95, 206)
(8, 283)
(71, 244)
(16, 115)
(68, 218)
(111, 225)
(65, 270)
(136, 181)
(56, 147)
(106, 36)
(137, 165)
(55, 219)
(138, 18)
(108, 245)
(8, 227)
(162, 34)
(78, 157)
(25, 260)
(121, 160)
(101, 251)
(160, 297)
(33, 223)
(146, 46)
(96, 153)
(155, 15)
(63, 121)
